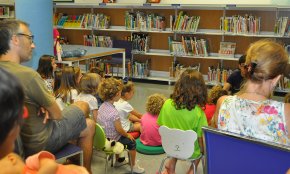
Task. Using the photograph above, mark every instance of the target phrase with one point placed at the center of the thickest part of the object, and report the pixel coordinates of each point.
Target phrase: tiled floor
(151, 163)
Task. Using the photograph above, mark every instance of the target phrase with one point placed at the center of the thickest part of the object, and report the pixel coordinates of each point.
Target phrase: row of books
(184, 23)
(98, 41)
(141, 69)
(145, 22)
(282, 26)
(5, 11)
(284, 83)
(82, 21)
(189, 46)
(217, 75)
(140, 42)
(227, 49)
(247, 24)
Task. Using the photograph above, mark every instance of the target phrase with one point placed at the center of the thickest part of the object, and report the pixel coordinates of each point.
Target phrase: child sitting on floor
(130, 118)
(108, 117)
(88, 89)
(214, 94)
(149, 128)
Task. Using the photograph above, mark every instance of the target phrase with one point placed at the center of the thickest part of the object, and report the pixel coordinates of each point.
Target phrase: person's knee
(83, 106)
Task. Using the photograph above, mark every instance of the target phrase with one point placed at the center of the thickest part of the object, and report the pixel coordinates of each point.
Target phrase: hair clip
(125, 80)
(252, 67)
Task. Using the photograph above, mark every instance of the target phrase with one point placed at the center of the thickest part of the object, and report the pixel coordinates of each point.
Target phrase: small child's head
(215, 93)
(97, 70)
(155, 103)
(12, 163)
(189, 90)
(287, 98)
(46, 66)
(89, 83)
(128, 90)
(11, 109)
(68, 78)
(110, 89)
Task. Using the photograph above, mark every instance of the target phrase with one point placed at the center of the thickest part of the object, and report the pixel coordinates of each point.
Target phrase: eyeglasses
(30, 37)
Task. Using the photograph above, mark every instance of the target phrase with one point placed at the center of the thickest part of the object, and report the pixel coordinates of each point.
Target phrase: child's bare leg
(190, 170)
(170, 166)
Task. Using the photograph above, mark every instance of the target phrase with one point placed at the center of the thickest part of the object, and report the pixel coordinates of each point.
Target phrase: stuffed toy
(116, 147)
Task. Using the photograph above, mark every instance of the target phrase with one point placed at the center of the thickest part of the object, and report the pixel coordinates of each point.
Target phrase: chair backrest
(177, 143)
(229, 153)
(99, 138)
(123, 44)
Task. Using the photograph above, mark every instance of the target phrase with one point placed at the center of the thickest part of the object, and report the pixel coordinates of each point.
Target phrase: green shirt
(183, 119)
(34, 133)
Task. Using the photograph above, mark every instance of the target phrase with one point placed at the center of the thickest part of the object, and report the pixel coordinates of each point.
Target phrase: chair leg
(193, 167)
(161, 165)
(82, 159)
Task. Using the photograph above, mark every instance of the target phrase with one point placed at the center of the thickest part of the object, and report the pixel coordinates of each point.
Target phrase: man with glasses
(235, 80)
(16, 46)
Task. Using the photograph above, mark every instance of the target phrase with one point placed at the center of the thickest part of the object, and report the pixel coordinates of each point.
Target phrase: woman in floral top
(251, 112)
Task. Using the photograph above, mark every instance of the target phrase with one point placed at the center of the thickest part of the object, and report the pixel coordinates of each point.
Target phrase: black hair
(242, 59)
(11, 103)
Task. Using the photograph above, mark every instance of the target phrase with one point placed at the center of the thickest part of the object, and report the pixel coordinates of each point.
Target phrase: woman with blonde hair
(251, 112)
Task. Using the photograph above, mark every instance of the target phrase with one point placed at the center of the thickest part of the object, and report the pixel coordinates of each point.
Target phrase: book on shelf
(227, 49)
(140, 42)
(237, 24)
(98, 41)
(4, 11)
(184, 23)
(141, 69)
(282, 26)
(218, 75)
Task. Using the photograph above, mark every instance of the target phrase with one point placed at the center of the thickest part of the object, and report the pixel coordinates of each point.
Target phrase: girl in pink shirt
(149, 128)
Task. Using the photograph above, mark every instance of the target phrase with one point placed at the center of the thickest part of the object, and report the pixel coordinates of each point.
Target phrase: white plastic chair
(178, 144)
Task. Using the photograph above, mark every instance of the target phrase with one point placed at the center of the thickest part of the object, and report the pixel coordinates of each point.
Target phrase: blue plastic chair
(229, 153)
(70, 150)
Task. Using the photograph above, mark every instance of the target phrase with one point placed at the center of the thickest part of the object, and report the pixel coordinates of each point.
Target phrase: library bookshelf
(161, 57)
(7, 10)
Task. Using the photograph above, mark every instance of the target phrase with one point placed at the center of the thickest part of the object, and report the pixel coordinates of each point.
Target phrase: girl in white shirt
(88, 89)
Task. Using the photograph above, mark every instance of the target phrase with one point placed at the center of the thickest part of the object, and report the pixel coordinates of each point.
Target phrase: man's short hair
(11, 103)
(8, 28)
(242, 59)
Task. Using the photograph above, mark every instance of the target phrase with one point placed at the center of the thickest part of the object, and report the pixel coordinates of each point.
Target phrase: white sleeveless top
(263, 119)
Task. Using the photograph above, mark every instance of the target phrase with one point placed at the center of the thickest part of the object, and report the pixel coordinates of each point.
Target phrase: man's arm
(54, 111)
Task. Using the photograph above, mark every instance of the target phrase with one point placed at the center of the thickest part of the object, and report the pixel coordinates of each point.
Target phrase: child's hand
(130, 137)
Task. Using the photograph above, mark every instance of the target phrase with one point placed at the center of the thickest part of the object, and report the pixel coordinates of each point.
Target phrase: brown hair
(97, 70)
(154, 103)
(287, 98)
(109, 88)
(189, 90)
(266, 59)
(89, 83)
(127, 87)
(215, 93)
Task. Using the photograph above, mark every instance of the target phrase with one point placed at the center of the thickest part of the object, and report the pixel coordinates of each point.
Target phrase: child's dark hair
(11, 103)
(97, 70)
(155, 103)
(109, 88)
(57, 80)
(89, 83)
(45, 68)
(127, 87)
(287, 98)
(189, 90)
(215, 93)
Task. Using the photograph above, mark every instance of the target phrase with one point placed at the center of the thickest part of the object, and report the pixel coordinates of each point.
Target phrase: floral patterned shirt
(263, 119)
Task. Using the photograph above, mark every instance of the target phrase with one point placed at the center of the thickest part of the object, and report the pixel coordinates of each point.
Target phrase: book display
(7, 10)
(190, 34)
